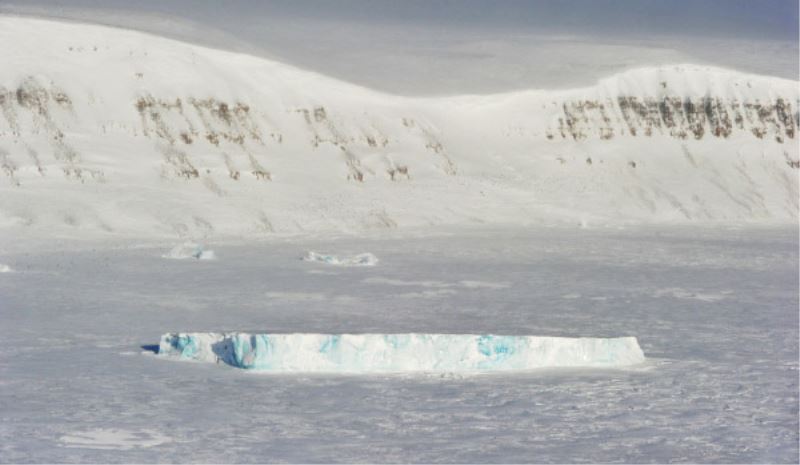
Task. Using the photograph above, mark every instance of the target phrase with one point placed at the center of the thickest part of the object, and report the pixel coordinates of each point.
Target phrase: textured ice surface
(364, 259)
(190, 250)
(397, 353)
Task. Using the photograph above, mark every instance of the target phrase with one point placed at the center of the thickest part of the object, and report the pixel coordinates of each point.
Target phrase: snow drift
(119, 132)
(398, 353)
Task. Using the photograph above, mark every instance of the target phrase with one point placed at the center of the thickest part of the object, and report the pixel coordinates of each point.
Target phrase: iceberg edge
(398, 353)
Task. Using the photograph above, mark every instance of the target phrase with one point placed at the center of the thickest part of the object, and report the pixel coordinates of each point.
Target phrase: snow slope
(106, 131)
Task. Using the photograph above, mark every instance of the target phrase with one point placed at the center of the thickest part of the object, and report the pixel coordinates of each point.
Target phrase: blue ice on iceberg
(398, 353)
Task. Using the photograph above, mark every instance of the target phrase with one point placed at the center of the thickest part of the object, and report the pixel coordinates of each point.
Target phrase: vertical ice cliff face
(398, 353)
(119, 132)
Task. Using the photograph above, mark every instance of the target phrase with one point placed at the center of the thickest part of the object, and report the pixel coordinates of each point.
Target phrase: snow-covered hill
(116, 132)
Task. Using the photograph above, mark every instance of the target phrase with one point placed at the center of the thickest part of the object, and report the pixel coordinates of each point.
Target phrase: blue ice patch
(397, 341)
(184, 344)
(330, 343)
(496, 348)
(243, 351)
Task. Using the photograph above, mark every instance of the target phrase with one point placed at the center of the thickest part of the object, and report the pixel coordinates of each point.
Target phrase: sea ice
(398, 353)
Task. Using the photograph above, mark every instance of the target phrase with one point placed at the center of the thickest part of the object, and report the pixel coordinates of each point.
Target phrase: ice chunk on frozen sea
(398, 353)
(189, 250)
(364, 259)
(5, 268)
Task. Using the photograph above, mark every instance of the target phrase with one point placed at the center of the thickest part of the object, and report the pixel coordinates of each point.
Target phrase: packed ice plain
(714, 310)
(180, 189)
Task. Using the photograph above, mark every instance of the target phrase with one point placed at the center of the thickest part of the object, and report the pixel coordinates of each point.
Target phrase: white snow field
(111, 132)
(398, 353)
(713, 309)
(656, 209)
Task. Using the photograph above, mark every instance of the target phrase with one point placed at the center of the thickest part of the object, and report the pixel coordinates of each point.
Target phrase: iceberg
(364, 259)
(190, 250)
(398, 353)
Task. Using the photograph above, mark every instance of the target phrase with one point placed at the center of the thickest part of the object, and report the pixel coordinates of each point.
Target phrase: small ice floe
(438, 284)
(5, 269)
(680, 293)
(364, 259)
(114, 439)
(190, 250)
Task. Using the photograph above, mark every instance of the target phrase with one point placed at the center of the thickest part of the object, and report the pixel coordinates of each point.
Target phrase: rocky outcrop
(676, 117)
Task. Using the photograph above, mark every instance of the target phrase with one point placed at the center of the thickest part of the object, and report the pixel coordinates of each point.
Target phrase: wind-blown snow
(106, 131)
(398, 353)
(363, 259)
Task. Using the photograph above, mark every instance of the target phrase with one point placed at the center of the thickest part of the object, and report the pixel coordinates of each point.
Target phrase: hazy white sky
(466, 46)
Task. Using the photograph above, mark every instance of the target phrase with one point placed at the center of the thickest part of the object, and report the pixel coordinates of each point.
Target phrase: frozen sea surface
(715, 311)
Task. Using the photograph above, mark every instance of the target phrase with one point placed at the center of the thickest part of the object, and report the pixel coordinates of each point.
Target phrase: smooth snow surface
(190, 250)
(398, 353)
(714, 310)
(364, 259)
